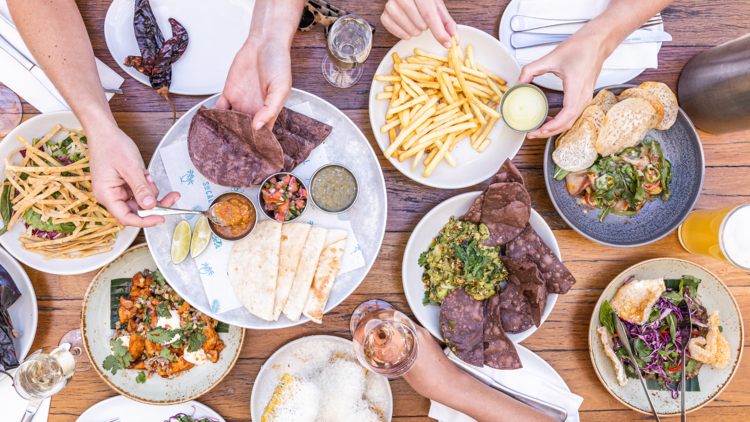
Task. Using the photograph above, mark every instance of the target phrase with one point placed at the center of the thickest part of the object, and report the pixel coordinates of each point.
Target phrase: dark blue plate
(682, 146)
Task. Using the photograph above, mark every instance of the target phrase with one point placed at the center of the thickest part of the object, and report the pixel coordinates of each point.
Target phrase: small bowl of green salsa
(333, 188)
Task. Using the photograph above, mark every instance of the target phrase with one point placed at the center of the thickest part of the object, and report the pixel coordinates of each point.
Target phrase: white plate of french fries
(438, 126)
(61, 194)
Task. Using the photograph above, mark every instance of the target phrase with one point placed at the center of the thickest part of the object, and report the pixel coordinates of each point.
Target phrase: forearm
(620, 19)
(54, 32)
(276, 19)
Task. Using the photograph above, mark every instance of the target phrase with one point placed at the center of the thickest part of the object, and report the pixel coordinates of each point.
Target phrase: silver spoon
(174, 211)
(685, 333)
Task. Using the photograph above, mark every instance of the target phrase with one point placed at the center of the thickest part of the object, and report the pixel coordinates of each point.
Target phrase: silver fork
(520, 23)
(685, 331)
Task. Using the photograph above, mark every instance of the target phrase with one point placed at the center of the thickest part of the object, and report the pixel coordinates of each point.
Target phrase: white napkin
(626, 56)
(197, 192)
(18, 79)
(523, 381)
(13, 406)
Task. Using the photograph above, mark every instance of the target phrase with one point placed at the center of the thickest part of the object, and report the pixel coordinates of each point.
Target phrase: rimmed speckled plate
(682, 147)
(96, 335)
(714, 294)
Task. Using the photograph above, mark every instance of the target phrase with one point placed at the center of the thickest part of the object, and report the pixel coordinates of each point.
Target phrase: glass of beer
(723, 234)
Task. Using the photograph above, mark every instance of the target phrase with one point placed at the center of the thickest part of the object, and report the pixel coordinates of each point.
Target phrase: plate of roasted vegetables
(630, 169)
(147, 342)
(648, 298)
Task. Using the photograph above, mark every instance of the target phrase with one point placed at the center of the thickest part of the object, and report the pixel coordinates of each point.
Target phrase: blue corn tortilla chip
(461, 321)
(499, 351)
(529, 247)
(527, 281)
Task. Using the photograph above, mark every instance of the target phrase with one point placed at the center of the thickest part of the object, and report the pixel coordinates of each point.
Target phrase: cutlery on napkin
(530, 39)
(520, 381)
(626, 56)
(20, 72)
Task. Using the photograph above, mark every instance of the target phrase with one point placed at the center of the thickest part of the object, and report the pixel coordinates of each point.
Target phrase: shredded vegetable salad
(656, 344)
(184, 417)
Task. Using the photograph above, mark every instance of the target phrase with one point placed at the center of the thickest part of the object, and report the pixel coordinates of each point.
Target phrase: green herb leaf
(118, 348)
(655, 314)
(162, 310)
(161, 336)
(141, 378)
(5, 207)
(691, 366)
(196, 341)
(166, 354)
(691, 283)
(111, 364)
(34, 219)
(607, 317)
(422, 259)
(156, 275)
(641, 348)
(560, 173)
(672, 326)
(673, 297)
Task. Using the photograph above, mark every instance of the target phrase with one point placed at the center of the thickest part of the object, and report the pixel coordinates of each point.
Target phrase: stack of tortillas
(610, 123)
(286, 268)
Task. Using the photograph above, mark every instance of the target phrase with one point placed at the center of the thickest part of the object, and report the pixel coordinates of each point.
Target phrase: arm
(54, 32)
(408, 18)
(437, 378)
(260, 79)
(578, 60)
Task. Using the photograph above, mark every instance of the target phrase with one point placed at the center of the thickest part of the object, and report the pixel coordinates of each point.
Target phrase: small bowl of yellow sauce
(524, 108)
(334, 188)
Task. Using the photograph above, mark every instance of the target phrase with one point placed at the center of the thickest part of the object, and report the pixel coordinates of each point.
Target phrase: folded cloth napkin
(13, 406)
(626, 56)
(524, 380)
(196, 193)
(17, 78)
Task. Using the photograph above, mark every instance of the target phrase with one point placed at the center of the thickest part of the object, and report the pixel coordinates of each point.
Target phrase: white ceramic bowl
(714, 294)
(36, 127)
(473, 167)
(97, 334)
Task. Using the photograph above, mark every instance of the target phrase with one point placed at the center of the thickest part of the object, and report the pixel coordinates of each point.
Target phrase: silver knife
(527, 23)
(31, 410)
(526, 39)
(556, 412)
(623, 334)
(33, 69)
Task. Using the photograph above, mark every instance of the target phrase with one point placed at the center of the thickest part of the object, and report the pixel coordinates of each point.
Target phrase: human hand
(259, 81)
(578, 63)
(427, 376)
(117, 175)
(409, 18)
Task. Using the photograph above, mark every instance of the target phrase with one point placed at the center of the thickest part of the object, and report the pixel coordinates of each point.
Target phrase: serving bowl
(714, 295)
(682, 147)
(279, 175)
(351, 203)
(212, 225)
(96, 334)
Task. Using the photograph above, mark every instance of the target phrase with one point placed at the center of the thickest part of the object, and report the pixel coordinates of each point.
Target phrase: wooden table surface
(562, 341)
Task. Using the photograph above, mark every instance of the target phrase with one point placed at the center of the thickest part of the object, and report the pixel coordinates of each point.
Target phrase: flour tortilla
(329, 265)
(254, 266)
(293, 237)
(303, 277)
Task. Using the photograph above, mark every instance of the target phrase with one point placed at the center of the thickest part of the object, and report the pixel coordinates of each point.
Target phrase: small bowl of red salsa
(283, 197)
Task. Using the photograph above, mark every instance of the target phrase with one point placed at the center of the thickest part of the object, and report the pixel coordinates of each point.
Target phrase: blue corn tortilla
(461, 322)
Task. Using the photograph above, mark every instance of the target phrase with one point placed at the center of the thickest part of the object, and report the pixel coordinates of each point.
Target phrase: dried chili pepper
(157, 55)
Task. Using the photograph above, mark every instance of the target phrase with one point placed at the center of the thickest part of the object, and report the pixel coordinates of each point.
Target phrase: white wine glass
(348, 46)
(385, 340)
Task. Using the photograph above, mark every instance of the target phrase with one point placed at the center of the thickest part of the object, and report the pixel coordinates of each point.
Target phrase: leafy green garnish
(5, 208)
(691, 366)
(166, 354)
(560, 173)
(120, 359)
(141, 378)
(162, 336)
(157, 275)
(672, 321)
(34, 219)
(691, 283)
(162, 310)
(607, 317)
(655, 314)
(196, 341)
(641, 348)
(673, 297)
(422, 259)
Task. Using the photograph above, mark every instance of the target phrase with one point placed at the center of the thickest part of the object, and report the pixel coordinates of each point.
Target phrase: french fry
(414, 75)
(405, 132)
(384, 78)
(389, 126)
(484, 133)
(497, 79)
(417, 158)
(470, 57)
(388, 88)
(396, 58)
(491, 111)
(408, 105)
(383, 95)
(413, 85)
(437, 57)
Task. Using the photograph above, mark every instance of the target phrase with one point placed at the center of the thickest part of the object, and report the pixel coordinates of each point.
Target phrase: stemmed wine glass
(348, 46)
(10, 110)
(385, 340)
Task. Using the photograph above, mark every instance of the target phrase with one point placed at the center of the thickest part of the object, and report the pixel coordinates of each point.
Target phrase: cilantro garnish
(162, 311)
(161, 336)
(195, 342)
(166, 354)
(141, 378)
(120, 359)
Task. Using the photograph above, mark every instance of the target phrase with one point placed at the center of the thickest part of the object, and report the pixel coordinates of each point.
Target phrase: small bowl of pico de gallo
(283, 197)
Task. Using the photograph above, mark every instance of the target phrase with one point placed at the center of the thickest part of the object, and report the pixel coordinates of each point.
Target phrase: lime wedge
(180, 242)
(201, 237)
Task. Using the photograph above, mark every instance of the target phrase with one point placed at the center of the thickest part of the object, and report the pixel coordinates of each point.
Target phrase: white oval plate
(36, 127)
(473, 167)
(132, 411)
(606, 76)
(714, 294)
(96, 335)
(284, 362)
(216, 29)
(24, 313)
(420, 240)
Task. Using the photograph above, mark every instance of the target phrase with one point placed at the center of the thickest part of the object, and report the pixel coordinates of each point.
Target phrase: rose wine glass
(10, 110)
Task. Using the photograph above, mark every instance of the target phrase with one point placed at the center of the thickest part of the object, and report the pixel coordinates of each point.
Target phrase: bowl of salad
(636, 195)
(646, 298)
(283, 197)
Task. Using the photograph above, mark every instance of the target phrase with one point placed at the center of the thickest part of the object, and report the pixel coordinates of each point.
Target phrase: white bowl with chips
(419, 241)
(714, 295)
(472, 166)
(37, 127)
